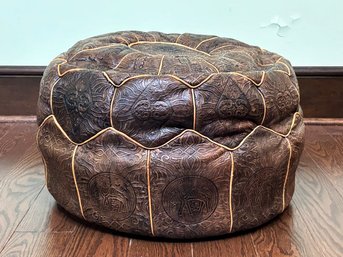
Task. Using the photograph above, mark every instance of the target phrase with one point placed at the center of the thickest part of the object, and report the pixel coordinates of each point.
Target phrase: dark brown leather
(168, 135)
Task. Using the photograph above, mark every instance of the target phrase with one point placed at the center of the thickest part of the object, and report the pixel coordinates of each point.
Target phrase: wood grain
(14, 141)
(52, 217)
(286, 235)
(31, 224)
(144, 248)
(21, 176)
(47, 230)
(327, 153)
(235, 245)
(321, 207)
(85, 242)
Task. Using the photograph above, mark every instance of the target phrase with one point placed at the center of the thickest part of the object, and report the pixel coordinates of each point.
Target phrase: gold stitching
(67, 71)
(180, 80)
(230, 193)
(288, 69)
(134, 77)
(96, 48)
(62, 130)
(194, 108)
(51, 93)
(160, 67)
(298, 93)
(149, 192)
(244, 76)
(135, 37)
(179, 135)
(123, 59)
(205, 40)
(270, 64)
(264, 106)
(204, 81)
(220, 47)
(289, 74)
(75, 182)
(109, 79)
(176, 77)
(153, 36)
(44, 121)
(284, 135)
(212, 65)
(282, 71)
(287, 173)
(111, 106)
(71, 70)
(121, 37)
(177, 39)
(60, 58)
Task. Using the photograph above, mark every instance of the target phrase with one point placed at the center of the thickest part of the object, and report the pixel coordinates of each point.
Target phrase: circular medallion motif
(112, 193)
(160, 110)
(285, 102)
(141, 109)
(190, 199)
(233, 107)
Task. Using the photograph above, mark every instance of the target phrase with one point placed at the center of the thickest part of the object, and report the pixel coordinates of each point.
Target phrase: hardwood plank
(325, 147)
(321, 207)
(84, 242)
(46, 216)
(16, 196)
(235, 245)
(36, 244)
(336, 132)
(148, 248)
(96, 242)
(19, 186)
(15, 138)
(286, 235)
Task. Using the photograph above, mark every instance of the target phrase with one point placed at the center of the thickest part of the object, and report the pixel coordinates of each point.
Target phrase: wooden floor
(31, 224)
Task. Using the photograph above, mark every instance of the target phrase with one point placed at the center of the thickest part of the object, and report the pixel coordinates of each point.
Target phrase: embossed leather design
(170, 135)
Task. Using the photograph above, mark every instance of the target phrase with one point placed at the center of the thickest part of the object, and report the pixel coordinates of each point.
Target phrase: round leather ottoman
(170, 135)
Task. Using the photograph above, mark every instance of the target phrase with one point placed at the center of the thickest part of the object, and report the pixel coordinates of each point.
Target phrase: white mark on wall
(282, 25)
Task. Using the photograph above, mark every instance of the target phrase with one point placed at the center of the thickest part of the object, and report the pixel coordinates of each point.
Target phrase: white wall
(32, 32)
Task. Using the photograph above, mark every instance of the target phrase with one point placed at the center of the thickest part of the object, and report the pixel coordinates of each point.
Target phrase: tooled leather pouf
(169, 135)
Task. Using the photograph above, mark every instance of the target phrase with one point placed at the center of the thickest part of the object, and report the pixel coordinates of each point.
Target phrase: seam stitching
(75, 182)
(175, 137)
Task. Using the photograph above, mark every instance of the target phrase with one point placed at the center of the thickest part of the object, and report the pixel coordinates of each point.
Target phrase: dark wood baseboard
(321, 90)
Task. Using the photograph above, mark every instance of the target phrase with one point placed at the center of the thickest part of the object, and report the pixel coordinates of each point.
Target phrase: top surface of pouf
(179, 105)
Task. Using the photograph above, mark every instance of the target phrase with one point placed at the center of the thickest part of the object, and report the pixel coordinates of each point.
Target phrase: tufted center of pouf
(170, 135)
